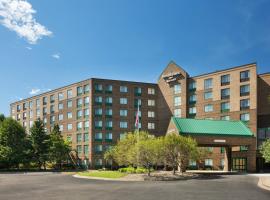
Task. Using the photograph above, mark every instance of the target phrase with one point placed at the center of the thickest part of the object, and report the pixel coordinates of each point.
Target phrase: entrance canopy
(203, 127)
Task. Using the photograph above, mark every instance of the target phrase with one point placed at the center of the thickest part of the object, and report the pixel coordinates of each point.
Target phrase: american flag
(137, 121)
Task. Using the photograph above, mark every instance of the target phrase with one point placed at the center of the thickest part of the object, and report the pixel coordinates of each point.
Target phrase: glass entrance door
(239, 164)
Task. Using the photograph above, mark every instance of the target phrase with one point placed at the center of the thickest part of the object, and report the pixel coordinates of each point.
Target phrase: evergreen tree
(40, 143)
(59, 148)
(12, 143)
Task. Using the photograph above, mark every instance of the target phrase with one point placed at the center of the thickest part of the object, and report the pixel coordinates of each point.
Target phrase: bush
(132, 170)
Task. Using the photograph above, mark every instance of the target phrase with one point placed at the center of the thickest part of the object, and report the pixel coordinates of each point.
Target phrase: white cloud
(29, 48)
(34, 91)
(17, 15)
(56, 55)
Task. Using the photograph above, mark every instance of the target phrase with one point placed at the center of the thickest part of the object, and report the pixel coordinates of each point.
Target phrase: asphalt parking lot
(62, 186)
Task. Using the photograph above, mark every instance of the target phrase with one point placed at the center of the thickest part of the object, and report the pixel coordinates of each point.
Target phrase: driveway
(41, 186)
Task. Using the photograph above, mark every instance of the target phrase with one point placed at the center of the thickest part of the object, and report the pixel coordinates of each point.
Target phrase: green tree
(110, 155)
(59, 148)
(12, 143)
(40, 143)
(2, 118)
(178, 150)
(265, 150)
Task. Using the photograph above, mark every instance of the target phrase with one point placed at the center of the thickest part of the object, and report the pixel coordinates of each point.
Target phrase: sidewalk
(264, 182)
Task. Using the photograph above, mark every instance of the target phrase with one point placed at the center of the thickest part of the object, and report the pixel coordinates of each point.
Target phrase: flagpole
(137, 130)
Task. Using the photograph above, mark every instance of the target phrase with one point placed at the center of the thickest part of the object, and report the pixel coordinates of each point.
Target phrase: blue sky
(127, 39)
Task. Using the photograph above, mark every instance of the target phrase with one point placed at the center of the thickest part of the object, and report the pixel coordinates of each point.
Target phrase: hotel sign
(219, 141)
(172, 76)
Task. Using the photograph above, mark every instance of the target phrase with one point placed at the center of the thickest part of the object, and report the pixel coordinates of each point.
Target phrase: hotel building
(94, 114)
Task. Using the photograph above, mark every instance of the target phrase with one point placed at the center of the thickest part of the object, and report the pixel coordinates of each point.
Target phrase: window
(86, 150)
(79, 126)
(69, 115)
(24, 106)
(108, 112)
(151, 114)
(225, 107)
(139, 113)
(45, 100)
(86, 125)
(177, 112)
(226, 117)
(108, 136)
(37, 102)
(24, 124)
(44, 111)
(18, 116)
(244, 76)
(38, 112)
(60, 117)
(86, 137)
(45, 121)
(79, 90)
(244, 90)
(123, 124)
(192, 163)
(98, 111)
(52, 119)
(138, 91)
(208, 95)
(122, 136)
(79, 114)
(30, 104)
(208, 162)
(79, 103)
(98, 136)
(222, 162)
(86, 113)
(108, 101)
(98, 148)
(79, 149)
(79, 137)
(208, 108)
(225, 79)
(192, 98)
(52, 98)
(86, 101)
(123, 113)
(61, 127)
(151, 102)
(18, 108)
(98, 87)
(98, 162)
(31, 114)
(109, 89)
(177, 101)
(225, 93)
(244, 117)
(60, 106)
(222, 149)
(192, 110)
(151, 91)
(69, 94)
(177, 89)
(24, 115)
(151, 126)
(192, 86)
(109, 124)
(86, 89)
(98, 124)
(244, 104)
(123, 89)
(208, 83)
(52, 109)
(98, 100)
(137, 102)
(60, 96)
(69, 103)
(123, 101)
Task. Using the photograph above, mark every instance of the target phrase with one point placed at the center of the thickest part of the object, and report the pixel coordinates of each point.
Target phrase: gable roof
(211, 127)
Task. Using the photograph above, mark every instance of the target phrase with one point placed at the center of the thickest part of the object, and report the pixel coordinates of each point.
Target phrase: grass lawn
(103, 174)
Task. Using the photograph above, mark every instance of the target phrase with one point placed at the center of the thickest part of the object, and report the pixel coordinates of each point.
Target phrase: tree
(40, 143)
(2, 118)
(59, 148)
(178, 150)
(265, 150)
(12, 143)
(109, 155)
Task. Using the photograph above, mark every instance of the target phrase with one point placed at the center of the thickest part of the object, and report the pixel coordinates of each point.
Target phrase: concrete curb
(264, 183)
(104, 179)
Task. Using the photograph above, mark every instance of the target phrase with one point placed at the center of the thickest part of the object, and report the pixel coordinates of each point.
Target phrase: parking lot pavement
(62, 186)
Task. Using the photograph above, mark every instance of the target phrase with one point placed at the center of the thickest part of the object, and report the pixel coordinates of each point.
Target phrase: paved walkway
(264, 180)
